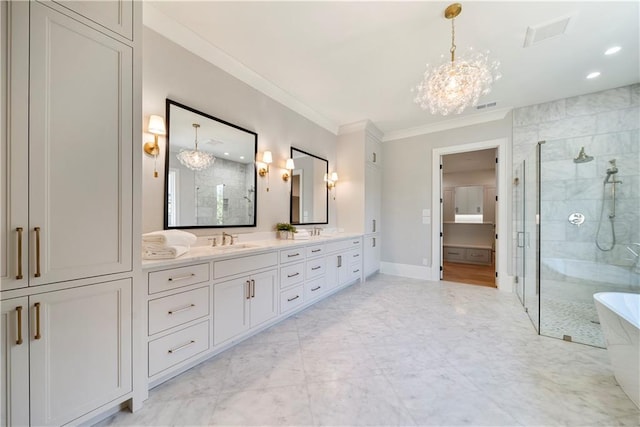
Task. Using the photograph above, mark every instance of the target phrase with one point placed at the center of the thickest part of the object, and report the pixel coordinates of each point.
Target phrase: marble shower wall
(607, 125)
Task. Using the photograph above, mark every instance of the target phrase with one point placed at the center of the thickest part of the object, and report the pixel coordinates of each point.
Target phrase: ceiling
(342, 62)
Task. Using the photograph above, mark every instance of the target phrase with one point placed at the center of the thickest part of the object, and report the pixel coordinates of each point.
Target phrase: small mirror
(210, 174)
(468, 203)
(309, 193)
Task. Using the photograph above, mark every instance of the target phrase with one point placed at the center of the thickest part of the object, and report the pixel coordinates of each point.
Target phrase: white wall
(169, 71)
(406, 188)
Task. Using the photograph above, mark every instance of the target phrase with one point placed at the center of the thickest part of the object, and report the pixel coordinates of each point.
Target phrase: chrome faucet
(224, 238)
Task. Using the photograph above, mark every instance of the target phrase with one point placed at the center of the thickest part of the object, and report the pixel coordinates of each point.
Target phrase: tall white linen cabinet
(71, 137)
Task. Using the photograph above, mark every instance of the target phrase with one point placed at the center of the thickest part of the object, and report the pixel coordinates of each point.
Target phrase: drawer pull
(356, 242)
(356, 271)
(453, 253)
(293, 275)
(248, 289)
(292, 255)
(315, 250)
(339, 261)
(291, 299)
(182, 347)
(316, 268)
(175, 279)
(19, 275)
(356, 255)
(178, 310)
(253, 288)
(315, 289)
(19, 311)
(476, 255)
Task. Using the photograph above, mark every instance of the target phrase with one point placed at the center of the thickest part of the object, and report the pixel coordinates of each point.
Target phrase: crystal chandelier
(453, 86)
(194, 159)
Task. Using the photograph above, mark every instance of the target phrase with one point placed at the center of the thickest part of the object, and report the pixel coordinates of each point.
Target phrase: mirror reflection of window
(172, 202)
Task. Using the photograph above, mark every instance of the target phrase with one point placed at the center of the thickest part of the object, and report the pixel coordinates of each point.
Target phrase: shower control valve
(576, 218)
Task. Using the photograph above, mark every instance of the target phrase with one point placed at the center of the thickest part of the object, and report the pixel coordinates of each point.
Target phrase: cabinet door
(115, 15)
(264, 302)
(80, 350)
(373, 148)
(15, 363)
(333, 266)
(14, 143)
(371, 254)
(372, 199)
(230, 309)
(80, 150)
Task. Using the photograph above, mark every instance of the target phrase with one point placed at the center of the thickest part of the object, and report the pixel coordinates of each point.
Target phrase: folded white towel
(166, 252)
(169, 238)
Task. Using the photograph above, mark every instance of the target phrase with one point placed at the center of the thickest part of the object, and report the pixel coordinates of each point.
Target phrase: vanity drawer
(344, 244)
(173, 278)
(242, 265)
(291, 274)
(454, 254)
(290, 255)
(291, 298)
(314, 288)
(315, 250)
(174, 310)
(355, 270)
(177, 347)
(315, 268)
(478, 255)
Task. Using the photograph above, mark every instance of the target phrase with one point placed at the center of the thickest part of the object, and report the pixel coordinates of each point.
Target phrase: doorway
(468, 217)
(475, 242)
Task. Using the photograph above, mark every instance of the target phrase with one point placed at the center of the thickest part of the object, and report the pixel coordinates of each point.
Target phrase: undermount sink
(212, 250)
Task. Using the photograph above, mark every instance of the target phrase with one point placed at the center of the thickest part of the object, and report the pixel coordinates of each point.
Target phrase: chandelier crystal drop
(457, 84)
(194, 159)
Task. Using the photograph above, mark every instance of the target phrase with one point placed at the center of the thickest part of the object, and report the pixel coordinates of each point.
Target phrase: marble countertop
(242, 246)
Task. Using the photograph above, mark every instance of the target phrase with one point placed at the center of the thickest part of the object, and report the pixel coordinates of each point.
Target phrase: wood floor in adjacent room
(483, 275)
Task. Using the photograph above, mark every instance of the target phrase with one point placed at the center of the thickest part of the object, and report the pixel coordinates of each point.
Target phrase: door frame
(503, 281)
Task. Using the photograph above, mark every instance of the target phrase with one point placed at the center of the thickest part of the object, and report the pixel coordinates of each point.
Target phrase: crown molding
(363, 125)
(181, 35)
(459, 122)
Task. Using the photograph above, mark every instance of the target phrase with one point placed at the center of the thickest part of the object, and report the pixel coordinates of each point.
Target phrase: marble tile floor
(397, 352)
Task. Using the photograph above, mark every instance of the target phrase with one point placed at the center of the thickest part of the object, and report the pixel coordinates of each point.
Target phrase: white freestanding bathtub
(619, 315)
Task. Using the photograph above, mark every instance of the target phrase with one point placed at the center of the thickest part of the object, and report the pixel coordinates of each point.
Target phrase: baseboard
(406, 270)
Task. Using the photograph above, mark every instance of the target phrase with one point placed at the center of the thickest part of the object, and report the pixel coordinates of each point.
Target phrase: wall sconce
(290, 166)
(267, 159)
(156, 127)
(331, 180)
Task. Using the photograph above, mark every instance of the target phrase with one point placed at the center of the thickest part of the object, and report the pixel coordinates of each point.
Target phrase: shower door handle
(521, 239)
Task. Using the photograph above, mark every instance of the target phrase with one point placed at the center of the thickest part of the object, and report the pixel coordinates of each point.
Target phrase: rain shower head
(582, 157)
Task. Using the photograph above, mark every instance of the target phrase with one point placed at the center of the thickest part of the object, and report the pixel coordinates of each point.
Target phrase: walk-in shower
(577, 223)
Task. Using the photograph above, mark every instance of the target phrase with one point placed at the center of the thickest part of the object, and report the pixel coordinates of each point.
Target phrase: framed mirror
(210, 174)
(309, 201)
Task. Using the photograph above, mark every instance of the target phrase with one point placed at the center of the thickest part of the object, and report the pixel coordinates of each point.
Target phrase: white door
(14, 369)
(80, 158)
(80, 350)
(230, 309)
(264, 304)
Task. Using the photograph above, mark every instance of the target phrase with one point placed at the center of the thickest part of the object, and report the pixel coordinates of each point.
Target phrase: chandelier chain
(453, 40)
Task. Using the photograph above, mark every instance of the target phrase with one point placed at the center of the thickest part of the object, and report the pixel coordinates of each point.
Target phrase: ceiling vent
(541, 32)
(485, 106)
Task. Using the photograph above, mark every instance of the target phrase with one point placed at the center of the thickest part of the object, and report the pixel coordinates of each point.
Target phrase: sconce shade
(334, 176)
(267, 157)
(290, 165)
(156, 125)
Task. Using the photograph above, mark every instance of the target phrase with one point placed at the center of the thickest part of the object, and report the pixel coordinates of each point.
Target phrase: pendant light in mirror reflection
(156, 127)
(194, 159)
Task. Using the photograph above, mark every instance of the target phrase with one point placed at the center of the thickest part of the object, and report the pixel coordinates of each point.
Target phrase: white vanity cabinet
(344, 262)
(69, 112)
(67, 352)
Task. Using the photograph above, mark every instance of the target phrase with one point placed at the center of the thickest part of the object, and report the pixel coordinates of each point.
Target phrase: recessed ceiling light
(226, 154)
(593, 75)
(612, 50)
